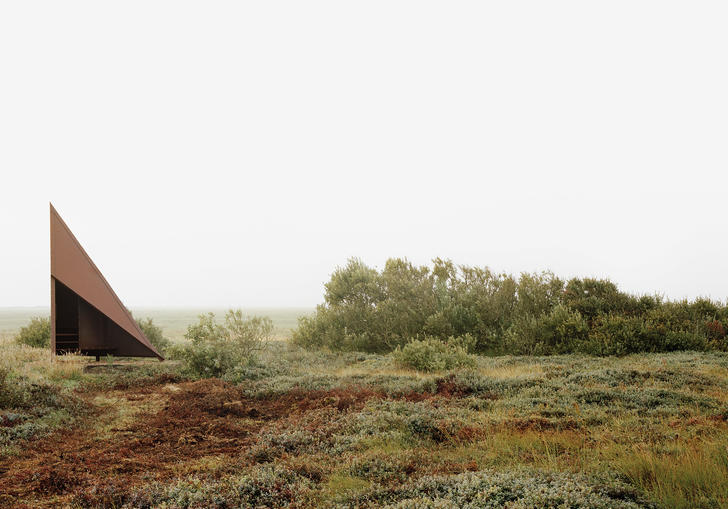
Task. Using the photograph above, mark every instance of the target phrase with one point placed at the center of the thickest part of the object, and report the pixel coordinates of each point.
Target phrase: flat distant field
(12, 319)
(174, 321)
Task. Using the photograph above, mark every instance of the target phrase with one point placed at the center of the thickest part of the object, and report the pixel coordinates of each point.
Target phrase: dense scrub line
(533, 314)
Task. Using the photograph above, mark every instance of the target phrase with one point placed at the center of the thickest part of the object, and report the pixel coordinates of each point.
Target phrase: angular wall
(86, 315)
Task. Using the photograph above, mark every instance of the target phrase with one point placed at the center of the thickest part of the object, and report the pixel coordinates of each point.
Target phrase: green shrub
(617, 335)
(154, 334)
(594, 297)
(556, 332)
(37, 333)
(431, 354)
(215, 349)
(670, 327)
(378, 311)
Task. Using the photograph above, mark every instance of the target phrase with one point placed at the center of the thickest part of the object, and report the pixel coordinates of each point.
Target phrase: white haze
(234, 153)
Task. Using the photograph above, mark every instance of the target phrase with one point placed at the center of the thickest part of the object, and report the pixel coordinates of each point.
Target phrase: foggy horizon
(235, 156)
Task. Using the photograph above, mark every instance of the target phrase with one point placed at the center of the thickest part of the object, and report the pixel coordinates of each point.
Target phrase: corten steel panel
(72, 267)
(91, 333)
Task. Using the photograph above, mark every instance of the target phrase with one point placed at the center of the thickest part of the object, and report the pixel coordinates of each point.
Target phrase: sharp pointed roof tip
(73, 268)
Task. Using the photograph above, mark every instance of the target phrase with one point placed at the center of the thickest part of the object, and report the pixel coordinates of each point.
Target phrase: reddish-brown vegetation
(197, 419)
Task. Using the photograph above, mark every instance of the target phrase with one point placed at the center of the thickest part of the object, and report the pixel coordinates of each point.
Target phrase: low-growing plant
(431, 354)
(263, 486)
(130, 376)
(216, 348)
(31, 408)
(380, 468)
(37, 333)
(515, 489)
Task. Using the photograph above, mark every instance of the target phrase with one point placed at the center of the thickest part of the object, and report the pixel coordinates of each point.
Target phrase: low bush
(381, 468)
(129, 376)
(19, 392)
(37, 333)
(154, 334)
(32, 408)
(215, 349)
(431, 354)
(502, 489)
(254, 370)
(617, 335)
(263, 486)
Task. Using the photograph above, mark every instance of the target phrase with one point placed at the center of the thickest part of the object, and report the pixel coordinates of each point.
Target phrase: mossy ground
(304, 429)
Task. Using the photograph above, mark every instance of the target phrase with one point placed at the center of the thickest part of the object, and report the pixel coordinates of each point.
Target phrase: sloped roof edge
(72, 266)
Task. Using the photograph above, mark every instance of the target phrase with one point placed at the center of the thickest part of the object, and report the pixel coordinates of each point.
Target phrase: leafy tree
(559, 331)
(37, 333)
(154, 334)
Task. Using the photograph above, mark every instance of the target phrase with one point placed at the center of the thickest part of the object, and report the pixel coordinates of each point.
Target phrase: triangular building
(86, 315)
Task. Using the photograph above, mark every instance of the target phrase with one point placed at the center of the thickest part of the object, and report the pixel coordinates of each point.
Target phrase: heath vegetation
(296, 428)
(391, 395)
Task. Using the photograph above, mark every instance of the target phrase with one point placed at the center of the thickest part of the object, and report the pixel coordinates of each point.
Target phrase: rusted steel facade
(86, 314)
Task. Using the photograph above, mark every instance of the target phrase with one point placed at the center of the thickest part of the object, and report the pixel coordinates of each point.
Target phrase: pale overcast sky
(234, 153)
